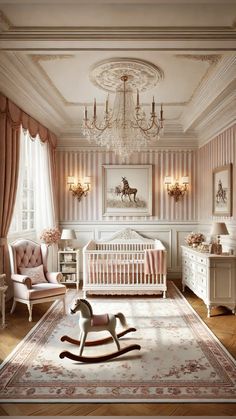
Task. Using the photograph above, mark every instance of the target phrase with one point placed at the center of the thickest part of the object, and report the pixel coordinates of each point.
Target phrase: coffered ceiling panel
(69, 74)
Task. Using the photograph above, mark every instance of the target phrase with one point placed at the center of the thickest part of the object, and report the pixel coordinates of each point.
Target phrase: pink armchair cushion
(36, 274)
(46, 290)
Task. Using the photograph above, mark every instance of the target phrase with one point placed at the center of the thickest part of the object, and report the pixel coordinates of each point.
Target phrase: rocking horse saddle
(99, 320)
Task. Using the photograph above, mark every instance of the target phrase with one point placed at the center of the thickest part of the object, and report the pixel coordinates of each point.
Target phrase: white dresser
(210, 277)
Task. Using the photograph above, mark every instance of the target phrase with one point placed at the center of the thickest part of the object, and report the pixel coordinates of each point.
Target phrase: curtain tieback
(3, 241)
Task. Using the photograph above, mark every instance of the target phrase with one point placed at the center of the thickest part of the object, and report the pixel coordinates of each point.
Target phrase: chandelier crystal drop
(124, 129)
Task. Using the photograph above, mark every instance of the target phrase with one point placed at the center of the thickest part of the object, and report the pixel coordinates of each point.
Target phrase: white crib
(116, 266)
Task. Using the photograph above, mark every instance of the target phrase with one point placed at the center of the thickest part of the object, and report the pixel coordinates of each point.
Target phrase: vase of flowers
(194, 239)
(51, 237)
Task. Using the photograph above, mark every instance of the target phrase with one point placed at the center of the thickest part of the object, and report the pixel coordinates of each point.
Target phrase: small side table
(3, 289)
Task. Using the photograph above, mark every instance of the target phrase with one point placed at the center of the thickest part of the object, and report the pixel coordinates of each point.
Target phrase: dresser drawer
(201, 281)
(185, 253)
(185, 270)
(192, 257)
(185, 262)
(192, 281)
(201, 269)
(201, 259)
(201, 292)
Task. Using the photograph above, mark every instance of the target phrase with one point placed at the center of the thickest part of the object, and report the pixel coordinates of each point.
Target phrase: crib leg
(84, 294)
(164, 294)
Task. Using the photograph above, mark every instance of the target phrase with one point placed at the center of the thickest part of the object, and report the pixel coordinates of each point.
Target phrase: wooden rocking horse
(90, 322)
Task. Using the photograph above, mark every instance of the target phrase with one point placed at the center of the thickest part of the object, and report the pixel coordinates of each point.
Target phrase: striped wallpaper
(218, 152)
(89, 163)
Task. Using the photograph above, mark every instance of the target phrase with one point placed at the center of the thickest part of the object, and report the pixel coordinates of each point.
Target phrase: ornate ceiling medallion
(141, 74)
(124, 128)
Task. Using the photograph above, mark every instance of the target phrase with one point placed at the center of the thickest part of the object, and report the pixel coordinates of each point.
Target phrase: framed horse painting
(222, 190)
(127, 190)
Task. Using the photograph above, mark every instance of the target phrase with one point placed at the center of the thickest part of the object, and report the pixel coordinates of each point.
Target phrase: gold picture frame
(222, 191)
(137, 198)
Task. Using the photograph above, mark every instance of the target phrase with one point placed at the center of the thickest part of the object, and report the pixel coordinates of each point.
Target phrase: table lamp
(219, 229)
(67, 235)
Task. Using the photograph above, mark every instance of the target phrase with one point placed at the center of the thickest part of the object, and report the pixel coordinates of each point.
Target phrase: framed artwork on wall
(127, 190)
(222, 190)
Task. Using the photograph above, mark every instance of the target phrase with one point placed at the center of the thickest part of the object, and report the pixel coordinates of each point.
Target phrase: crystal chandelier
(125, 128)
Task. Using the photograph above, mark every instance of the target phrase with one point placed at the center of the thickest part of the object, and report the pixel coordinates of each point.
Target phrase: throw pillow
(36, 274)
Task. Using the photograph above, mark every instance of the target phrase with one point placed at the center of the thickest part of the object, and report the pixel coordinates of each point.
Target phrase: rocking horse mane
(88, 305)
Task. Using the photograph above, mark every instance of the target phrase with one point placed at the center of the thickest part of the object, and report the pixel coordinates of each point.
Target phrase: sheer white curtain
(18, 203)
(44, 208)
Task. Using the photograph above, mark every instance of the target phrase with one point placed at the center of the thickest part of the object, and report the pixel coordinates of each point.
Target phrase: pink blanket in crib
(155, 262)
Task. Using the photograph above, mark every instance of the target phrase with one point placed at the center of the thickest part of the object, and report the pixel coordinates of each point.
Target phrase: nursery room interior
(118, 208)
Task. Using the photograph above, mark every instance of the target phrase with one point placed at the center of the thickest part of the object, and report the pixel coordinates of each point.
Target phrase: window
(34, 207)
(23, 219)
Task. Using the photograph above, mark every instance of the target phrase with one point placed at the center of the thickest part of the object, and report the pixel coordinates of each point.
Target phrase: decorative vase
(52, 257)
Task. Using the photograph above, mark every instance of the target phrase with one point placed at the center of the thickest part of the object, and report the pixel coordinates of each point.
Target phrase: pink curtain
(9, 146)
(11, 118)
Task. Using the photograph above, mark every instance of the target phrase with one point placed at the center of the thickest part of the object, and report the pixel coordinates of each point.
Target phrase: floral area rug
(180, 359)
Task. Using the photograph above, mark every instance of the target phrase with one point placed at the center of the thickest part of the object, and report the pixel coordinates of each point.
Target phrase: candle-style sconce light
(79, 188)
(176, 189)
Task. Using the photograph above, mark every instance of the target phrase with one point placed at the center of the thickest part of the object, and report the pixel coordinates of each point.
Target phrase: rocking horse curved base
(102, 358)
(97, 342)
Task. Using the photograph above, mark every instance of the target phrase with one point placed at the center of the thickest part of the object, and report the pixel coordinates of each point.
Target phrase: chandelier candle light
(125, 129)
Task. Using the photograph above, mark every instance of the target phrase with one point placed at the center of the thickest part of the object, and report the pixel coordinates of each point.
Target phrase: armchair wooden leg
(13, 307)
(30, 307)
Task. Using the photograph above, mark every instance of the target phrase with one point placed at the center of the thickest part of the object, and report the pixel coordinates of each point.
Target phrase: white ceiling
(48, 48)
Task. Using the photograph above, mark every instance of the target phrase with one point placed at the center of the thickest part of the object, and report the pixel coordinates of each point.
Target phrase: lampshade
(70, 180)
(87, 179)
(68, 234)
(185, 180)
(219, 229)
(168, 180)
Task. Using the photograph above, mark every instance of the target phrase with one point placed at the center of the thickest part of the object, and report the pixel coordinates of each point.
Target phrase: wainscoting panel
(172, 235)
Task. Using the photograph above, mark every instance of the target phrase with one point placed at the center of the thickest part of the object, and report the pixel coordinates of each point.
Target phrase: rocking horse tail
(122, 319)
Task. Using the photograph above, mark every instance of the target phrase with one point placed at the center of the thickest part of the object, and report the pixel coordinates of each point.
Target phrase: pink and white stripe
(89, 163)
(155, 262)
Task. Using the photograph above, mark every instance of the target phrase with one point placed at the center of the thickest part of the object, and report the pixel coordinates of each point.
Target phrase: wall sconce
(176, 189)
(80, 188)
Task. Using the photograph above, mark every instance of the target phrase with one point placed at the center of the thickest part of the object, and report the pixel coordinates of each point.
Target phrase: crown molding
(96, 149)
(172, 140)
(18, 81)
(118, 32)
(5, 24)
(220, 118)
(210, 91)
(172, 130)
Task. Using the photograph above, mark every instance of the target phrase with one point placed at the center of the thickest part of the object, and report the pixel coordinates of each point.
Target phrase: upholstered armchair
(32, 282)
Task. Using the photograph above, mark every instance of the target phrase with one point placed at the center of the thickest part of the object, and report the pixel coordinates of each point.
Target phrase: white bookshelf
(68, 265)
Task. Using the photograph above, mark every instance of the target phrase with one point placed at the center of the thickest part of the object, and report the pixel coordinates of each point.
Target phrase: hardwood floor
(222, 323)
